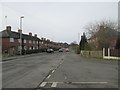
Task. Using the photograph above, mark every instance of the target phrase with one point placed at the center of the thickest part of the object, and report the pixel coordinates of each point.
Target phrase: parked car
(50, 50)
(61, 50)
(67, 50)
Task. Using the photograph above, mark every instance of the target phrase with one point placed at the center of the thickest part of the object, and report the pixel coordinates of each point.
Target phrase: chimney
(8, 28)
(35, 35)
(19, 31)
(30, 33)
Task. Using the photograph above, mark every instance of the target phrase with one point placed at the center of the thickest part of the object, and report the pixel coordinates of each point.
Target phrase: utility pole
(21, 34)
(5, 21)
(78, 38)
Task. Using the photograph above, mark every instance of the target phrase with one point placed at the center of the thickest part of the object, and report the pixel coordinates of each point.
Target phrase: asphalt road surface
(59, 70)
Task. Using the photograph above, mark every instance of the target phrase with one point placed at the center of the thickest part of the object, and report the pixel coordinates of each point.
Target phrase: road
(59, 70)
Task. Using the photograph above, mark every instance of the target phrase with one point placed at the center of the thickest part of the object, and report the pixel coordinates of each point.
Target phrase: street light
(21, 22)
(21, 34)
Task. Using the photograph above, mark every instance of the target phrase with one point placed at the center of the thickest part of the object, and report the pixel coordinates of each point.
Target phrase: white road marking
(82, 82)
(54, 84)
(43, 84)
(48, 76)
(53, 71)
(90, 82)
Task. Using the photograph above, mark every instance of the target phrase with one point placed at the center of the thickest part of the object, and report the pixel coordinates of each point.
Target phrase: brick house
(11, 41)
(110, 38)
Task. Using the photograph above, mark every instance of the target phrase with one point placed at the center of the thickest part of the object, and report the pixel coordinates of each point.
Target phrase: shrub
(78, 50)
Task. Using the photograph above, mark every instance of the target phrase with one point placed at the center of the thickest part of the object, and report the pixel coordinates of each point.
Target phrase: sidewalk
(19, 56)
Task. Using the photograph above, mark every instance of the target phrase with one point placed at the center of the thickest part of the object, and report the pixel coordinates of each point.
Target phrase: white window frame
(33, 48)
(19, 40)
(25, 41)
(30, 41)
(37, 42)
(33, 42)
(11, 39)
(30, 48)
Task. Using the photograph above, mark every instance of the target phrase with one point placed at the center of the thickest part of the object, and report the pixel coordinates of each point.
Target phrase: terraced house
(11, 41)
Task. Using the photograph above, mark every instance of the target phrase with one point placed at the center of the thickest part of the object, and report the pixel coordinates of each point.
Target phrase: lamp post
(21, 34)
(5, 21)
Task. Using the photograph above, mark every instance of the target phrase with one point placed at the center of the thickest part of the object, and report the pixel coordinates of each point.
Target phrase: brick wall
(5, 44)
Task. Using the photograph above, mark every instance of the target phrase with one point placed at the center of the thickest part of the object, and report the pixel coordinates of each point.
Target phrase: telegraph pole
(21, 34)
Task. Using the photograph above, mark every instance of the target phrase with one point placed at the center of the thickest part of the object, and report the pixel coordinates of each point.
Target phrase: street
(59, 70)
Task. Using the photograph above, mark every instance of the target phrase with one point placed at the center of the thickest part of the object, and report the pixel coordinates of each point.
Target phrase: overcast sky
(58, 21)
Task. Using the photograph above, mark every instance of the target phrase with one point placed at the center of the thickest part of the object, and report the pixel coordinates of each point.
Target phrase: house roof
(12, 34)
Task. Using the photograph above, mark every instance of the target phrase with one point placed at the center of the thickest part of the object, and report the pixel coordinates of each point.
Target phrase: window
(40, 42)
(30, 41)
(37, 47)
(30, 48)
(18, 48)
(33, 42)
(19, 40)
(25, 47)
(37, 42)
(33, 48)
(24, 41)
(11, 39)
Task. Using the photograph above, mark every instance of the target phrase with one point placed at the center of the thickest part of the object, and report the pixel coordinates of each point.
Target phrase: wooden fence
(105, 53)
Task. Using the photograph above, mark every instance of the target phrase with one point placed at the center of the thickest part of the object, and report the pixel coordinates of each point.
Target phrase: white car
(50, 50)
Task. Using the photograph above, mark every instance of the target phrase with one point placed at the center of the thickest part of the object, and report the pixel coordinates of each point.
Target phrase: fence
(95, 54)
(105, 53)
(111, 53)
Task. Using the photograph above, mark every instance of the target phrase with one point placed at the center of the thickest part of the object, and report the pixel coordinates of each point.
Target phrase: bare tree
(101, 33)
(92, 28)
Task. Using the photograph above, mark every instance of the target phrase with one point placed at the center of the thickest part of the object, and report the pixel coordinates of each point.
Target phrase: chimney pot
(30, 33)
(35, 35)
(19, 31)
(8, 28)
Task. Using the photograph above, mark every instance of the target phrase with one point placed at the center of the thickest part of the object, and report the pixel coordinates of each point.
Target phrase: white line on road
(90, 82)
(51, 68)
(48, 76)
(82, 82)
(53, 71)
(43, 84)
(54, 84)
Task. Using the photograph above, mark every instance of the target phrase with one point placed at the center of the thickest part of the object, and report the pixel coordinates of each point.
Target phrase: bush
(78, 50)
(33, 51)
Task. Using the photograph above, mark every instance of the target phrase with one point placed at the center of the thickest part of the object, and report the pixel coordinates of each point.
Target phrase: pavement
(59, 70)
(19, 56)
